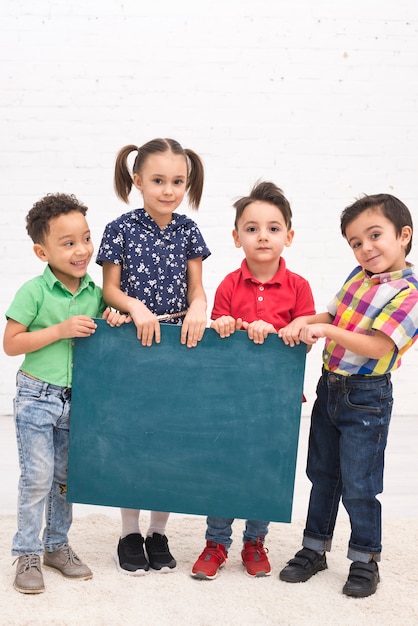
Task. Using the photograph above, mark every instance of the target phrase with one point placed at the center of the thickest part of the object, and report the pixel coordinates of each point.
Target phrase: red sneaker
(210, 561)
(254, 557)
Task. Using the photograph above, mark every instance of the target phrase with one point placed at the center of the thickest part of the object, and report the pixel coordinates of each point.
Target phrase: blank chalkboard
(206, 430)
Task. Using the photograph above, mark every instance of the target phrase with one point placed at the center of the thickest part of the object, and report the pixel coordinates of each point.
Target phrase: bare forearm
(319, 318)
(373, 346)
(19, 340)
(197, 298)
(26, 342)
(116, 298)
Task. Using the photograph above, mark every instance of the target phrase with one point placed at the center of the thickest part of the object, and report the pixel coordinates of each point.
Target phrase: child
(152, 269)
(370, 324)
(260, 297)
(46, 313)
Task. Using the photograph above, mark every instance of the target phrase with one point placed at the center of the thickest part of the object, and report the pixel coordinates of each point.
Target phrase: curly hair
(48, 207)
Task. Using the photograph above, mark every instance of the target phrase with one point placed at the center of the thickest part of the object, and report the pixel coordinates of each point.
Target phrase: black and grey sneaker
(130, 556)
(159, 554)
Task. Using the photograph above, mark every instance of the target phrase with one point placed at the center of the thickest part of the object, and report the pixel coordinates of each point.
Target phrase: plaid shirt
(387, 302)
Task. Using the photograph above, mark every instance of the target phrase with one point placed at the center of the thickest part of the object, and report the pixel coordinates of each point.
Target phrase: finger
(192, 337)
(156, 331)
(184, 333)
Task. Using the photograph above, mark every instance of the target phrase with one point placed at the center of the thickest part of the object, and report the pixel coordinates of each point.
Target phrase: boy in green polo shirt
(45, 315)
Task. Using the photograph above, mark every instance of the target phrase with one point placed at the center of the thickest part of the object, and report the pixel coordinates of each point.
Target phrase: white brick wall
(320, 97)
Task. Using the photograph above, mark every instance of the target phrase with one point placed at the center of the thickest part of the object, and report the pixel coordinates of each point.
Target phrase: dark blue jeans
(348, 435)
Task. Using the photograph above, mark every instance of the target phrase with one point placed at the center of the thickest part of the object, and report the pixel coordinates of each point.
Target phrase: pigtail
(195, 179)
(123, 180)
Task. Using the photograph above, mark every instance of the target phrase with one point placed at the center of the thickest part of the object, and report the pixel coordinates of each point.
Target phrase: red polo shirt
(278, 302)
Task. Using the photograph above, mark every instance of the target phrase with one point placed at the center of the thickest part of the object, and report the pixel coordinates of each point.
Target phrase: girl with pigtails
(152, 269)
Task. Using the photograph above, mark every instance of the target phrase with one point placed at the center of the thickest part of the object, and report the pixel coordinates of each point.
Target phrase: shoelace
(159, 543)
(134, 547)
(209, 552)
(72, 558)
(257, 546)
(31, 560)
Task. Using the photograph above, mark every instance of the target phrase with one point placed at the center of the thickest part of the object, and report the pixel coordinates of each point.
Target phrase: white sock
(158, 522)
(130, 522)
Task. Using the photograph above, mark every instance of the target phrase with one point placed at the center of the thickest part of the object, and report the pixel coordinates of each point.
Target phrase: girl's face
(162, 182)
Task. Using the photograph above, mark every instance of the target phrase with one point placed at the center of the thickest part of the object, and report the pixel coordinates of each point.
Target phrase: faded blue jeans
(42, 420)
(347, 441)
(219, 530)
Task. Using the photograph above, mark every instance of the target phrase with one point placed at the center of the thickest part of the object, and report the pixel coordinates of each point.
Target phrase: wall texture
(320, 97)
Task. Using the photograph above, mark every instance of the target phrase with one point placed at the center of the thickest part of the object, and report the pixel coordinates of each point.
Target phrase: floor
(399, 500)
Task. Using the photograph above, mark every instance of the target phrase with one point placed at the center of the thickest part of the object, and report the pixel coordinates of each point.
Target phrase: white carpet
(233, 599)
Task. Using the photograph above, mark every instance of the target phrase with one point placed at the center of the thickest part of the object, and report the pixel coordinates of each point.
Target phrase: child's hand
(193, 326)
(147, 325)
(258, 330)
(114, 318)
(77, 326)
(290, 334)
(312, 332)
(225, 325)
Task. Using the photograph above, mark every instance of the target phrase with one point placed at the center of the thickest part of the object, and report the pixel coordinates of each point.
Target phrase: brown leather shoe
(29, 577)
(68, 563)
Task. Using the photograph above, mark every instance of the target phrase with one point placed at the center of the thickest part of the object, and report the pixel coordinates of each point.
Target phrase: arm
(371, 346)
(195, 321)
(291, 333)
(17, 339)
(147, 324)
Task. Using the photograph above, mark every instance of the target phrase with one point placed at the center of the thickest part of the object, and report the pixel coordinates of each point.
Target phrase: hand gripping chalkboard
(211, 430)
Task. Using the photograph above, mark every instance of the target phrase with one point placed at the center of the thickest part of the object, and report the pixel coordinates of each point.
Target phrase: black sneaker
(130, 556)
(159, 555)
(303, 566)
(362, 580)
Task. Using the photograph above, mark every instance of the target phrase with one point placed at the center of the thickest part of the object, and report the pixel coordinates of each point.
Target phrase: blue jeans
(348, 435)
(42, 419)
(219, 530)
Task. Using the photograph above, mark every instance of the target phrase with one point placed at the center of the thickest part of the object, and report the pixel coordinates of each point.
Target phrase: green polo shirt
(43, 302)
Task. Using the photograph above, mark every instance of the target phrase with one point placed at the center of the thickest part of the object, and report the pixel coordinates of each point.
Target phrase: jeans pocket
(376, 403)
(28, 393)
(357, 399)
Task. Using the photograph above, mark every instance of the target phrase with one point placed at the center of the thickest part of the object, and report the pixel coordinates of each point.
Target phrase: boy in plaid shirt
(369, 325)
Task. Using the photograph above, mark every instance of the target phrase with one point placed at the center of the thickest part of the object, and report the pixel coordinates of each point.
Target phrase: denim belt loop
(345, 382)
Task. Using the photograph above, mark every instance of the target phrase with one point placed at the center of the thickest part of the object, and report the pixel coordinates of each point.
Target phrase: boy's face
(262, 233)
(67, 248)
(375, 244)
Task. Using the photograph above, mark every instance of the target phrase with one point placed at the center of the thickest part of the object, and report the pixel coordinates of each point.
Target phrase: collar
(387, 277)
(278, 278)
(51, 280)
(146, 220)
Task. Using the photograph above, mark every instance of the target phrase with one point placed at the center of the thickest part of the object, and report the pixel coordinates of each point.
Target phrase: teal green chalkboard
(208, 430)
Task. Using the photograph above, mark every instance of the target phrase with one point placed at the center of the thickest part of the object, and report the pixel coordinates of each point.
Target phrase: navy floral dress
(153, 261)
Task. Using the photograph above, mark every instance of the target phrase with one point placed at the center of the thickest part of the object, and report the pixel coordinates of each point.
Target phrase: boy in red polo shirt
(260, 297)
